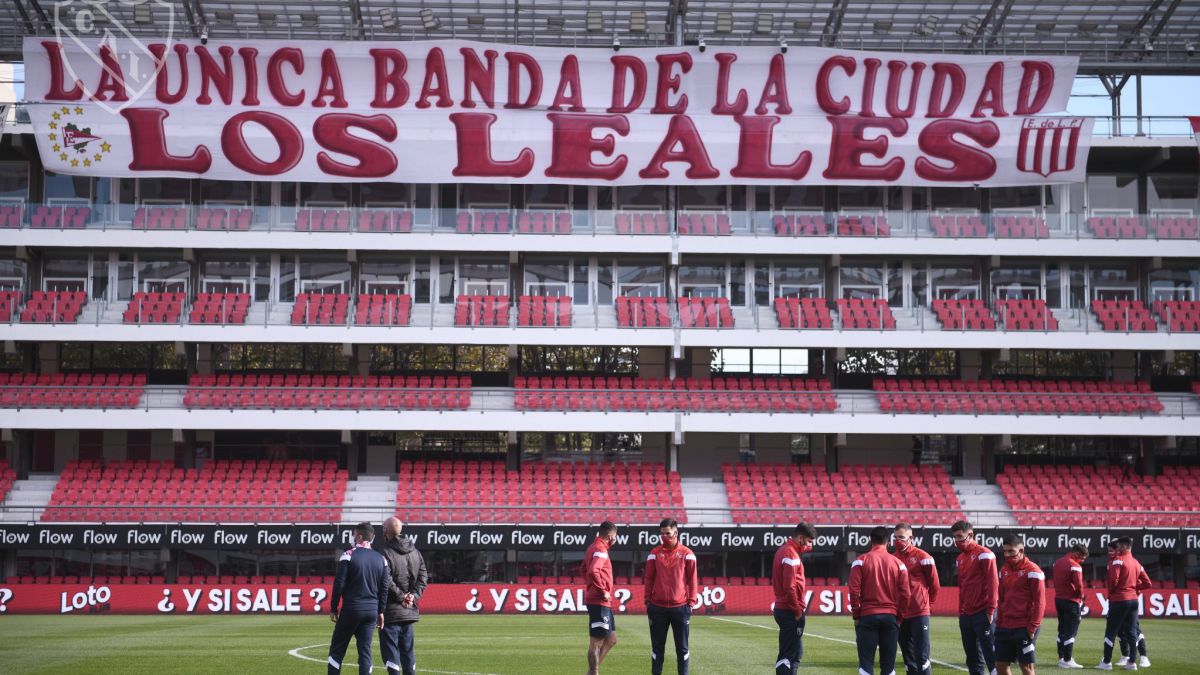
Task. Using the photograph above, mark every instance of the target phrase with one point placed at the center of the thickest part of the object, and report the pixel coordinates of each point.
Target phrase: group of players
(1000, 608)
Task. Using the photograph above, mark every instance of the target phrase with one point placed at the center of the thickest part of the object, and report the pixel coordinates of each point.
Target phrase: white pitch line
(296, 653)
(824, 637)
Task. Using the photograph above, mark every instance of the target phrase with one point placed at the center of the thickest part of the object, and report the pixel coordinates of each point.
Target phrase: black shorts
(601, 623)
(1015, 645)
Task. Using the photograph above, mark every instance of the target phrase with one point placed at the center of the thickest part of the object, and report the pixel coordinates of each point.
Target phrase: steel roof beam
(25, 17)
(833, 23)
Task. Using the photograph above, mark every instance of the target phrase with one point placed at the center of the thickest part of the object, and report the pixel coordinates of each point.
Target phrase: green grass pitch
(490, 645)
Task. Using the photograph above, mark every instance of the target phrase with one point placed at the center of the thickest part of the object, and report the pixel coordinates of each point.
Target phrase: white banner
(455, 111)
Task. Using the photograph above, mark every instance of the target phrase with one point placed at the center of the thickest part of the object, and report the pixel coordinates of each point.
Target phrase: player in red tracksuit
(1068, 602)
(914, 620)
(598, 595)
(787, 578)
(1126, 581)
(670, 584)
(977, 591)
(879, 594)
(1022, 596)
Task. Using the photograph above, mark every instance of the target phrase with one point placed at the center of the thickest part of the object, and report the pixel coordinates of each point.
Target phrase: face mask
(902, 546)
(806, 548)
(1014, 563)
(962, 545)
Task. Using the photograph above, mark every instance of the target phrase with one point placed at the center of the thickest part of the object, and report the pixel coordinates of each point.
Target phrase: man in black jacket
(360, 592)
(409, 579)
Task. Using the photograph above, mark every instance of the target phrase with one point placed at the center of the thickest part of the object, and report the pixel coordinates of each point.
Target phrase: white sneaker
(1144, 662)
(1130, 666)
(1103, 665)
(1123, 661)
(1070, 665)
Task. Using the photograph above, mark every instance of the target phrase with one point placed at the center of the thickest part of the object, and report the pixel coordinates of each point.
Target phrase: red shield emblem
(1048, 145)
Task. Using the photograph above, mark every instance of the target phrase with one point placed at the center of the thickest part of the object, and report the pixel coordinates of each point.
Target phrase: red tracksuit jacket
(1022, 596)
(787, 577)
(878, 584)
(597, 574)
(923, 581)
(976, 580)
(1068, 579)
(1126, 578)
(671, 579)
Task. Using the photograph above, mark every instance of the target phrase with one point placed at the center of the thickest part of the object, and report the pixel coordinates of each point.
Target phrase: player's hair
(903, 525)
(879, 535)
(805, 529)
(668, 522)
(1080, 549)
(1014, 540)
(1127, 542)
(365, 531)
(1112, 544)
(607, 528)
(962, 526)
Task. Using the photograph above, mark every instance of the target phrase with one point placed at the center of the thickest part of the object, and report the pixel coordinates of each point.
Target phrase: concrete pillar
(49, 357)
(23, 440)
(834, 444)
(204, 362)
(988, 448)
(972, 457)
(970, 364)
(673, 456)
(653, 361)
(512, 458)
(1124, 366)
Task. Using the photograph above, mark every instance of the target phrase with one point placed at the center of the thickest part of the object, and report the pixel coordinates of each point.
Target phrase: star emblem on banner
(74, 137)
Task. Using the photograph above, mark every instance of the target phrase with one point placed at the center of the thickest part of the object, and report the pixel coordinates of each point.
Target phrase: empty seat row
(160, 218)
(1176, 227)
(1101, 496)
(704, 223)
(544, 222)
(11, 215)
(383, 309)
(1016, 398)
(960, 225)
(154, 308)
(544, 310)
(61, 217)
(320, 309)
(965, 314)
(1123, 315)
(224, 218)
(1118, 227)
(70, 390)
(54, 307)
(1025, 315)
(323, 220)
(681, 394)
(863, 226)
(642, 222)
(220, 308)
(482, 222)
(865, 314)
(1020, 227)
(804, 313)
(481, 310)
(385, 220)
(705, 313)
(10, 303)
(643, 312)
(1180, 316)
(327, 392)
(800, 225)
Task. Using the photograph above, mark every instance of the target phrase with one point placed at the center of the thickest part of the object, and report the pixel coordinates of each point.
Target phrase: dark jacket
(409, 575)
(363, 582)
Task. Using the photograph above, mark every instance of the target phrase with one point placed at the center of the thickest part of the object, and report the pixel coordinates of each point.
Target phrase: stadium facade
(509, 273)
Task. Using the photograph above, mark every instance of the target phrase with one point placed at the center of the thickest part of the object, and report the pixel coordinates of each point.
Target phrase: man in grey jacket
(409, 579)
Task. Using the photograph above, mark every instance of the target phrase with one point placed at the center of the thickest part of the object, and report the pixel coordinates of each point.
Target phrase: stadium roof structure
(1115, 37)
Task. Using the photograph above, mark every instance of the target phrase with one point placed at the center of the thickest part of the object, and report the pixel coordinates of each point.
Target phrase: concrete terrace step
(705, 500)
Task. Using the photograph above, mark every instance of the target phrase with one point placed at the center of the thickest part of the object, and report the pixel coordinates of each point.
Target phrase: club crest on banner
(1049, 145)
(72, 139)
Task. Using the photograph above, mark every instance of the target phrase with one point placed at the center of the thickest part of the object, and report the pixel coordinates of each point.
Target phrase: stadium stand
(345, 392)
(385, 220)
(323, 220)
(481, 310)
(704, 223)
(321, 309)
(1123, 315)
(7, 477)
(226, 491)
(543, 310)
(383, 309)
(1175, 227)
(637, 222)
(1116, 227)
(220, 308)
(54, 307)
(1104, 489)
(761, 394)
(71, 390)
(800, 225)
(482, 222)
(10, 303)
(633, 492)
(220, 218)
(780, 493)
(705, 313)
(958, 226)
(643, 312)
(11, 215)
(859, 314)
(807, 313)
(1020, 227)
(1180, 316)
(863, 226)
(61, 217)
(1021, 397)
(957, 314)
(1025, 315)
(544, 222)
(160, 218)
(154, 308)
